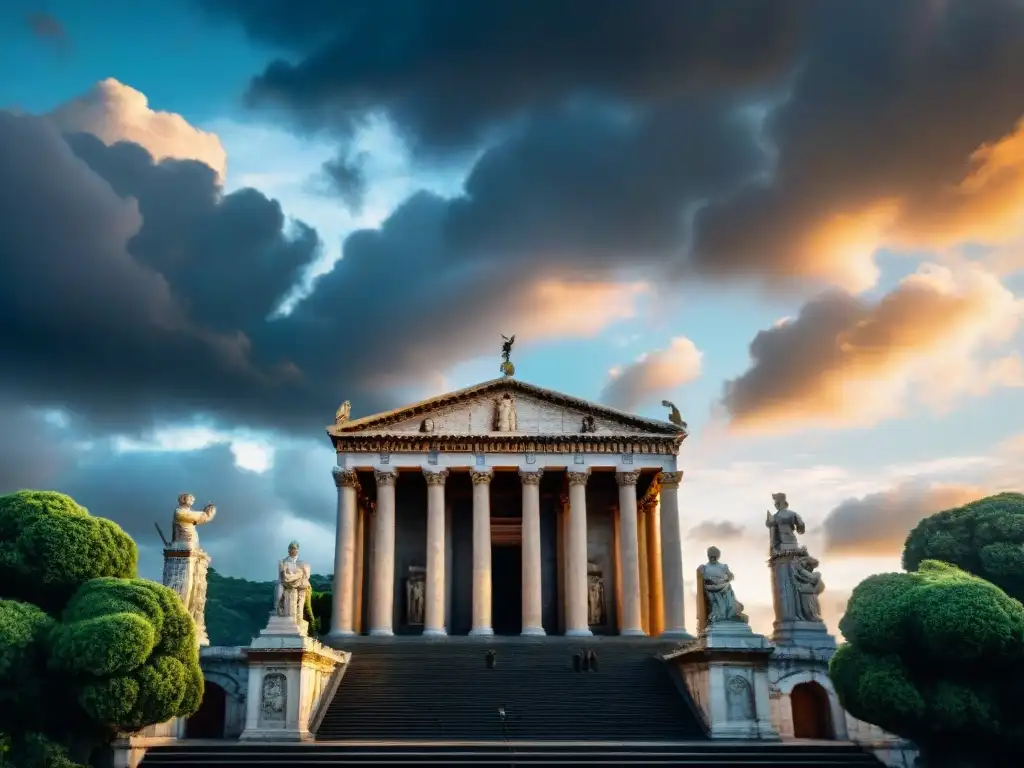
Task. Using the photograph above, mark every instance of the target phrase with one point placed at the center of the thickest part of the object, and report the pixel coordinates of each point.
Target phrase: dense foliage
(936, 656)
(86, 649)
(237, 609)
(985, 537)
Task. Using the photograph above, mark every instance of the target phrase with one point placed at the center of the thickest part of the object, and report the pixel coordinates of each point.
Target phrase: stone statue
(595, 596)
(783, 525)
(292, 585)
(589, 425)
(183, 527)
(185, 564)
(343, 413)
(808, 584)
(674, 416)
(416, 598)
(507, 367)
(427, 425)
(716, 602)
(506, 413)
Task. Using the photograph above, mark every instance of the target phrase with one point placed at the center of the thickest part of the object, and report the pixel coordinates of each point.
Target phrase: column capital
(345, 478)
(579, 478)
(627, 478)
(531, 476)
(435, 476)
(670, 479)
(385, 476)
(481, 476)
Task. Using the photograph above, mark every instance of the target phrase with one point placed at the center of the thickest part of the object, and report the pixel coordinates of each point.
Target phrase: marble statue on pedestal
(292, 585)
(796, 584)
(186, 564)
(716, 601)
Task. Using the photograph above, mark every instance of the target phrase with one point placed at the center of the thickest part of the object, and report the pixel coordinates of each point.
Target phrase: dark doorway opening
(507, 589)
(208, 721)
(811, 716)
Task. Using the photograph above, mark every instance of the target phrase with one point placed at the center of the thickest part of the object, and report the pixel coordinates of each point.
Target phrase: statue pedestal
(726, 672)
(806, 634)
(292, 680)
(185, 572)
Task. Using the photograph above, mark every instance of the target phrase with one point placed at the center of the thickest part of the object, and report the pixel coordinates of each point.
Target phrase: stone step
(741, 755)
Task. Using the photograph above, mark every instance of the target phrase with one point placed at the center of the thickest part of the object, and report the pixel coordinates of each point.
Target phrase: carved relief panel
(739, 699)
(274, 701)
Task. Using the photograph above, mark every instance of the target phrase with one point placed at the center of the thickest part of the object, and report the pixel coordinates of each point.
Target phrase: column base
(632, 633)
(481, 632)
(533, 632)
(435, 632)
(382, 632)
(671, 634)
(578, 633)
(340, 634)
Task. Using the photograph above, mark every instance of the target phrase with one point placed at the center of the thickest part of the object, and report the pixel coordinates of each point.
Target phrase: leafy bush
(985, 537)
(935, 656)
(86, 649)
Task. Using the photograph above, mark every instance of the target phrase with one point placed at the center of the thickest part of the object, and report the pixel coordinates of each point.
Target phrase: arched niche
(208, 722)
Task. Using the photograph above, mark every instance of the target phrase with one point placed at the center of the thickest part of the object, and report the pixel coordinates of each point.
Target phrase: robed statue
(505, 416)
(183, 526)
(292, 585)
(784, 525)
(716, 601)
(808, 585)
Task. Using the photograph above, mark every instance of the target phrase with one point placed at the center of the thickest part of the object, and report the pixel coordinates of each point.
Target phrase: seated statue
(716, 602)
(809, 585)
(292, 585)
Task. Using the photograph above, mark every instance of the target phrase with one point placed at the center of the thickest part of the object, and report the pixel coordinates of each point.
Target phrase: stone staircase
(441, 689)
(416, 701)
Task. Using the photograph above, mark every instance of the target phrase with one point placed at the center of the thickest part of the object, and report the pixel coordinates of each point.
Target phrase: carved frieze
(578, 445)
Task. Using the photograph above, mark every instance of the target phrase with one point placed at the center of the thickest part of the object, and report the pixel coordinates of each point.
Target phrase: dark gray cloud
(878, 524)
(451, 72)
(345, 177)
(49, 29)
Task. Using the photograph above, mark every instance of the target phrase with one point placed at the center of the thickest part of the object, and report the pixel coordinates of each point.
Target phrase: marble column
(433, 621)
(645, 586)
(657, 609)
(576, 586)
(382, 581)
(533, 621)
(343, 589)
(672, 556)
(632, 623)
(481, 553)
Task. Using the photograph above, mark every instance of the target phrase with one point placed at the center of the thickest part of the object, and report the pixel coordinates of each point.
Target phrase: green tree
(985, 537)
(936, 656)
(86, 648)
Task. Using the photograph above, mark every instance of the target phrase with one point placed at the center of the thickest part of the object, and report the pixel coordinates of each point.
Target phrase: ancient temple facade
(507, 508)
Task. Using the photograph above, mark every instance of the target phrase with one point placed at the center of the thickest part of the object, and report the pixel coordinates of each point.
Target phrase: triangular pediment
(474, 411)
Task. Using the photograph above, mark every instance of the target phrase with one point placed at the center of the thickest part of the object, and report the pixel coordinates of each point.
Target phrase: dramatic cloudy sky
(802, 222)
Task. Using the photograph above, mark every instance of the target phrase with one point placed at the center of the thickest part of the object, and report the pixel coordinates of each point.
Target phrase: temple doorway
(208, 721)
(507, 589)
(812, 718)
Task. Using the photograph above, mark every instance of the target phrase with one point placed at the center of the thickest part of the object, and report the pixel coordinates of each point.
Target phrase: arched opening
(208, 721)
(812, 717)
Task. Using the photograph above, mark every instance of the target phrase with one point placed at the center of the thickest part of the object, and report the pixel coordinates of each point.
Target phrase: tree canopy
(935, 656)
(985, 537)
(86, 648)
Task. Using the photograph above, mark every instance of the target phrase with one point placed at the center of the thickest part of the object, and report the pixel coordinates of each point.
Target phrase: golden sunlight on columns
(629, 553)
(342, 613)
(672, 556)
(382, 582)
(434, 605)
(482, 552)
(576, 614)
(652, 508)
(533, 622)
(645, 589)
